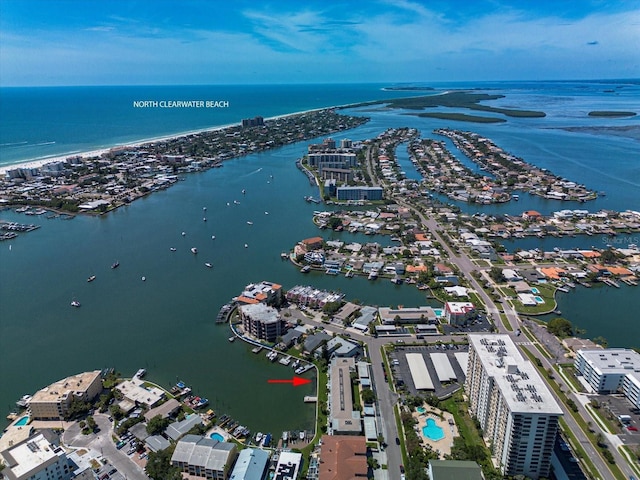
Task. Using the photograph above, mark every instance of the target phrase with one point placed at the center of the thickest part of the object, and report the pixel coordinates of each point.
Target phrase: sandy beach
(35, 163)
(39, 162)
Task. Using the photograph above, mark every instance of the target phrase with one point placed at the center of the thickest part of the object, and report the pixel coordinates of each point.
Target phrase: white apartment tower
(517, 412)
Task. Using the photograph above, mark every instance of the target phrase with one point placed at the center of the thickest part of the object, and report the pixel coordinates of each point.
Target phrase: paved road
(103, 443)
(466, 266)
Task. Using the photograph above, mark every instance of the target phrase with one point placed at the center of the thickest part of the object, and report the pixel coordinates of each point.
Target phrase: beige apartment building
(52, 402)
(517, 412)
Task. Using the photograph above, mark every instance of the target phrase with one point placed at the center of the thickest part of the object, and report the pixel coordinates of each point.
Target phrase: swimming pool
(217, 436)
(421, 409)
(432, 431)
(535, 290)
(23, 421)
(539, 299)
(439, 312)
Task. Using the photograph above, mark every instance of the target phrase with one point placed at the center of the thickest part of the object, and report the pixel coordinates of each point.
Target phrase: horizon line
(424, 83)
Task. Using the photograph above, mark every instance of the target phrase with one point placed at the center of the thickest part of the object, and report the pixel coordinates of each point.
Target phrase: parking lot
(618, 405)
(402, 374)
(480, 324)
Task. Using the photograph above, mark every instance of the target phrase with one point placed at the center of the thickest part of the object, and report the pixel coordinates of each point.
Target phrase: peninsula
(118, 176)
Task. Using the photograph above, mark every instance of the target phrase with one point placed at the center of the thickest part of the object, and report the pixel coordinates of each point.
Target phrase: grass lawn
(547, 293)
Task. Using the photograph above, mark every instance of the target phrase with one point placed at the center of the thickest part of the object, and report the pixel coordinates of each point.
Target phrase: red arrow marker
(296, 381)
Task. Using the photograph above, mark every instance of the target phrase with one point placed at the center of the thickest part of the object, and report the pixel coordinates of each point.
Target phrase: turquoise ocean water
(166, 324)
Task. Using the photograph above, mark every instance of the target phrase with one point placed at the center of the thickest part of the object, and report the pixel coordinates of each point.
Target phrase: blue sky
(80, 42)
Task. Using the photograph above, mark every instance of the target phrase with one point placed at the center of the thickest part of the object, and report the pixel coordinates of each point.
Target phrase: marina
(124, 235)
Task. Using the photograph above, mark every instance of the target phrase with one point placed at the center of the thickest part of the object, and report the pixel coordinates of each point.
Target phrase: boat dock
(285, 360)
(310, 399)
(225, 312)
(610, 282)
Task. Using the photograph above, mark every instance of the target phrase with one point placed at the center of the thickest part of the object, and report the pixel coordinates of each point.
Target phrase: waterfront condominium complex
(517, 412)
(53, 402)
(262, 321)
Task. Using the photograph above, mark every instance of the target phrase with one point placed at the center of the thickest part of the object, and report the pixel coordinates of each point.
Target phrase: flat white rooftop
(30, 456)
(518, 380)
(612, 360)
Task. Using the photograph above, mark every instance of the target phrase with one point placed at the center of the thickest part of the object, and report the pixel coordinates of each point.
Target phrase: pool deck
(223, 433)
(450, 430)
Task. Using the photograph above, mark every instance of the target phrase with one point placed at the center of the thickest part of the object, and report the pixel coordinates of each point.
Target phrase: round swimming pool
(421, 409)
(432, 431)
(217, 436)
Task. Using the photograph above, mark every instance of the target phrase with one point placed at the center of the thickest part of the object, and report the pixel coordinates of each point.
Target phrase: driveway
(102, 442)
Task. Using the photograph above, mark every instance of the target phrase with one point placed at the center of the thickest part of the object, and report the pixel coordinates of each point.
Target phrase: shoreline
(39, 162)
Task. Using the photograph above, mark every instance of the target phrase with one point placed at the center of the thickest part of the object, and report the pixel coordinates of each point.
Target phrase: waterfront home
(312, 243)
(177, 429)
(136, 394)
(262, 292)
(252, 464)
(166, 410)
(313, 342)
(291, 338)
(531, 215)
(341, 347)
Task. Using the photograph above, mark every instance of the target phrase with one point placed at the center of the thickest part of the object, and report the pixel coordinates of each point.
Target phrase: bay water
(166, 323)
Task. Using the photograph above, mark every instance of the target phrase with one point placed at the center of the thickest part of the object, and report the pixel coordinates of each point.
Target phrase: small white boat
(204, 209)
(204, 219)
(232, 339)
(173, 249)
(244, 191)
(75, 303)
(144, 279)
(183, 234)
(249, 223)
(194, 250)
(208, 265)
(236, 202)
(246, 246)
(228, 204)
(213, 237)
(91, 278)
(266, 213)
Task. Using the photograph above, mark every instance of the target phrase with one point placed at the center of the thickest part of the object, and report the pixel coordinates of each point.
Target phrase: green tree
(560, 327)
(368, 397)
(159, 465)
(496, 274)
(91, 423)
(157, 425)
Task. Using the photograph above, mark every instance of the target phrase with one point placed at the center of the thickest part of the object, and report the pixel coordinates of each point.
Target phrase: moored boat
(91, 278)
(75, 303)
(194, 250)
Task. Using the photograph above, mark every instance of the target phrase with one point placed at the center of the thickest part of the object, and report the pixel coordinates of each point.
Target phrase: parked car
(397, 441)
